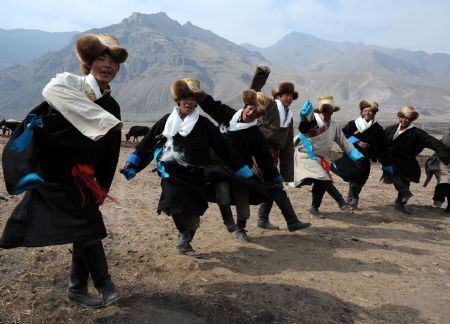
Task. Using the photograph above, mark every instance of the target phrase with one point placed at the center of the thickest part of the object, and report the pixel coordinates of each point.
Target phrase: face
(286, 99)
(249, 113)
(367, 114)
(104, 70)
(187, 106)
(404, 122)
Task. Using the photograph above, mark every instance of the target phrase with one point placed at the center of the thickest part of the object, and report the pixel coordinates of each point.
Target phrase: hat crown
(262, 98)
(407, 109)
(325, 100)
(108, 40)
(192, 83)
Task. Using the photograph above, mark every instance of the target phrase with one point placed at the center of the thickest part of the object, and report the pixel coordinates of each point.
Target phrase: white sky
(410, 24)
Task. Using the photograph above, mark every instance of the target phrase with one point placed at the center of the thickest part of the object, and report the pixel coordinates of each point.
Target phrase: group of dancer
(65, 153)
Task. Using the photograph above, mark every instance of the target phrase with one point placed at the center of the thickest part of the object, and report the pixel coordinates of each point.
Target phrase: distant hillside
(21, 46)
(162, 50)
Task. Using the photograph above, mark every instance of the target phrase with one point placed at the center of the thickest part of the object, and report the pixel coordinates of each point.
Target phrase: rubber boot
(77, 291)
(95, 257)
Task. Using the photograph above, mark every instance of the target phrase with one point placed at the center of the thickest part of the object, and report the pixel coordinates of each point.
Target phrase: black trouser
(241, 197)
(88, 257)
(353, 192)
(318, 190)
(186, 225)
(284, 204)
(442, 191)
(402, 187)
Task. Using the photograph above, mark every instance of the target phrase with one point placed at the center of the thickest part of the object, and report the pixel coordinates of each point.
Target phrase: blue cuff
(134, 159)
(28, 182)
(129, 173)
(306, 109)
(279, 179)
(355, 155)
(353, 139)
(244, 172)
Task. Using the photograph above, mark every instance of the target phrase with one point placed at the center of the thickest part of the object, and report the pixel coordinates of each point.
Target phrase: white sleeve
(66, 94)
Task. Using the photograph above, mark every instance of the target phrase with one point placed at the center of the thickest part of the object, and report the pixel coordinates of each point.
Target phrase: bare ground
(370, 266)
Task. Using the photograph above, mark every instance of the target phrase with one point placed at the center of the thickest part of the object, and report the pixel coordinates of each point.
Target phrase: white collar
(90, 80)
(319, 120)
(175, 124)
(398, 132)
(236, 125)
(285, 119)
(362, 124)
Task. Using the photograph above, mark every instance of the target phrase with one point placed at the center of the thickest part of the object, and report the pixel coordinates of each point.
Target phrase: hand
(362, 145)
(306, 109)
(388, 169)
(129, 173)
(264, 68)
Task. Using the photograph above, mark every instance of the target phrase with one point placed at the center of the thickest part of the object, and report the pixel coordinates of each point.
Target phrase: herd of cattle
(7, 126)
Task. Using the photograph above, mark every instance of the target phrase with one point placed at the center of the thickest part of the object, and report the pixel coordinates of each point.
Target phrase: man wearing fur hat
(180, 144)
(277, 126)
(367, 135)
(241, 130)
(405, 142)
(313, 147)
(78, 149)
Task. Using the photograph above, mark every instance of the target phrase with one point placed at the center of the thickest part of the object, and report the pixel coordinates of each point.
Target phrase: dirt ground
(373, 265)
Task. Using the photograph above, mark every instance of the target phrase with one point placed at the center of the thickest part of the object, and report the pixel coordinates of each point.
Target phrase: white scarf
(285, 120)
(90, 80)
(398, 132)
(362, 124)
(320, 122)
(175, 124)
(235, 125)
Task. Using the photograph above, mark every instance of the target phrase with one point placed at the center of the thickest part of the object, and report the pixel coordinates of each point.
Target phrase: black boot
(263, 216)
(316, 202)
(282, 200)
(241, 233)
(184, 244)
(95, 257)
(77, 292)
(227, 217)
(401, 208)
(353, 195)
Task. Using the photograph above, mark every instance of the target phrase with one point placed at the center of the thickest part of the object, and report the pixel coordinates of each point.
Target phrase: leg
(242, 210)
(333, 192)
(440, 192)
(95, 258)
(187, 225)
(77, 292)
(353, 194)
(318, 190)
(402, 187)
(282, 200)
(263, 215)
(223, 200)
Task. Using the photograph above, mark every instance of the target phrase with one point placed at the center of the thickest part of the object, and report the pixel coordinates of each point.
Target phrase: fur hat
(187, 87)
(326, 105)
(373, 105)
(257, 99)
(408, 112)
(89, 47)
(283, 88)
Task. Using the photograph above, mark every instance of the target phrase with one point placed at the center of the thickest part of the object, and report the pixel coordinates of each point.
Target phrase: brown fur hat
(325, 104)
(90, 46)
(187, 87)
(285, 87)
(248, 97)
(408, 112)
(373, 105)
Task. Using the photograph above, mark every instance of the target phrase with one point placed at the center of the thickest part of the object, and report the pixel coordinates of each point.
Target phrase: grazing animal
(136, 131)
(9, 124)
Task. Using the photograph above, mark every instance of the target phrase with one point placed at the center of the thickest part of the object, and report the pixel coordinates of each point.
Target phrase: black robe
(377, 151)
(184, 189)
(407, 146)
(53, 213)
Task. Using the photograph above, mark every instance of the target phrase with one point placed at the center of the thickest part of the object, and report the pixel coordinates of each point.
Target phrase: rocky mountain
(21, 46)
(162, 50)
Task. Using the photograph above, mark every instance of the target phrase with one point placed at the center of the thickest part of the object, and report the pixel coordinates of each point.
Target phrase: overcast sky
(410, 24)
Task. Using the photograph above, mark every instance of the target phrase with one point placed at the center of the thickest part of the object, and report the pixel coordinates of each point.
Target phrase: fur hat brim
(284, 88)
(327, 109)
(248, 97)
(412, 115)
(372, 105)
(180, 90)
(89, 47)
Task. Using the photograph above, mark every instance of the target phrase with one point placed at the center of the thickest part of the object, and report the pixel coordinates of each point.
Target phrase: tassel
(83, 175)
(326, 166)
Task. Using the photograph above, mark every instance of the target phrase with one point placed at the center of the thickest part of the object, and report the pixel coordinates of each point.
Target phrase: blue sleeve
(134, 159)
(353, 139)
(355, 155)
(244, 172)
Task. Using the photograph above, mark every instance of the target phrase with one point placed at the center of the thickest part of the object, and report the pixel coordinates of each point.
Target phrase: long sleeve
(220, 112)
(259, 78)
(432, 143)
